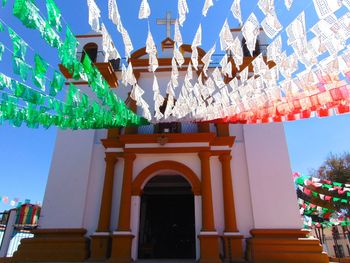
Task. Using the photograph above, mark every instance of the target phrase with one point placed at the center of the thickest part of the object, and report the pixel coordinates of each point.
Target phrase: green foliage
(335, 168)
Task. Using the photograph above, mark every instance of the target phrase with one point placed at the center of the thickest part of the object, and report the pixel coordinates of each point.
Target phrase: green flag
(56, 83)
(2, 49)
(28, 13)
(20, 89)
(50, 36)
(20, 68)
(19, 46)
(5, 82)
(68, 51)
(40, 70)
(53, 15)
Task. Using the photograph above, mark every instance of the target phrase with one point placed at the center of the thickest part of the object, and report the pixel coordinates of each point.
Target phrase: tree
(335, 168)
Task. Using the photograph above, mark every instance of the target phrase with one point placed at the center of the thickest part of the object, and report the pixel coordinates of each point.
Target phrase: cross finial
(167, 22)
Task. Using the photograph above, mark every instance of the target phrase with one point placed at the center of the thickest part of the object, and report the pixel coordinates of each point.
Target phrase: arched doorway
(91, 50)
(167, 219)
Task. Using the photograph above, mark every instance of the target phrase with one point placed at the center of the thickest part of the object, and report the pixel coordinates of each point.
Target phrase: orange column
(125, 201)
(106, 201)
(209, 239)
(232, 239)
(100, 241)
(229, 203)
(122, 238)
(207, 202)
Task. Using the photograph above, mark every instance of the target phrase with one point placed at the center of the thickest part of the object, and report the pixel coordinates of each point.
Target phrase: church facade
(207, 192)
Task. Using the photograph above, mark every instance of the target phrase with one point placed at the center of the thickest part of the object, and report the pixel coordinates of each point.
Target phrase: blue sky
(25, 154)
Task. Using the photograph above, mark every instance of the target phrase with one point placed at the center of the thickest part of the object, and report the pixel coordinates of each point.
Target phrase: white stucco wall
(217, 194)
(95, 185)
(272, 191)
(117, 189)
(135, 224)
(240, 181)
(67, 186)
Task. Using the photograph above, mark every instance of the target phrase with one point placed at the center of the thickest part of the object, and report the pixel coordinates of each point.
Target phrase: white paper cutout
(236, 10)
(158, 99)
(237, 52)
(250, 31)
(178, 56)
(271, 25)
(197, 41)
(288, 3)
(226, 38)
(182, 8)
(145, 10)
(177, 34)
(207, 5)
(151, 50)
(266, 6)
(113, 14)
(107, 45)
(296, 29)
(94, 15)
(130, 78)
(326, 7)
(206, 59)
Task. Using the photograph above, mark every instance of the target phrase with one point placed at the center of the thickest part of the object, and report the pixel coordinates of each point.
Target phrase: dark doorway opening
(90, 49)
(167, 225)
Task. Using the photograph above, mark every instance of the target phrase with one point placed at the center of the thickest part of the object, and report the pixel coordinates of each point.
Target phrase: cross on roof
(168, 22)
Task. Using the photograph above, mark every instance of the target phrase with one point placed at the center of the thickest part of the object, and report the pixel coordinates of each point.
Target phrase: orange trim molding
(105, 68)
(208, 137)
(88, 36)
(148, 172)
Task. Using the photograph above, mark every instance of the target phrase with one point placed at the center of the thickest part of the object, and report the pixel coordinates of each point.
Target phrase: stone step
(165, 261)
(175, 261)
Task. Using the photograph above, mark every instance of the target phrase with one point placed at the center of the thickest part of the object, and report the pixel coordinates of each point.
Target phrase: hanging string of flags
(322, 202)
(21, 103)
(318, 216)
(312, 80)
(14, 202)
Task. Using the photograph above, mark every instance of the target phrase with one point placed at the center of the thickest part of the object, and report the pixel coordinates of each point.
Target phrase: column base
(100, 246)
(121, 247)
(284, 246)
(53, 245)
(233, 247)
(209, 247)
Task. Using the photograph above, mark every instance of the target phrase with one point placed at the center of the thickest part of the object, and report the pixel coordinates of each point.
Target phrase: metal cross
(168, 22)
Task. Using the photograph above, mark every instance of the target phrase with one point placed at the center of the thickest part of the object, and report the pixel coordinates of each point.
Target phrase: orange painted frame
(149, 171)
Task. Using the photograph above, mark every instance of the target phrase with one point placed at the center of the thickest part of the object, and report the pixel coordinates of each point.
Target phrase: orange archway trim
(149, 171)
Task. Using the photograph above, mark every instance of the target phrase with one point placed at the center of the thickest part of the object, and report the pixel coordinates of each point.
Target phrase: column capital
(204, 154)
(129, 156)
(225, 157)
(111, 158)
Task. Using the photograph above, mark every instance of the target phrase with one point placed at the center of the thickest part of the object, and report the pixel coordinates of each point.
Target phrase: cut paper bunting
(94, 15)
(145, 10)
(182, 8)
(207, 5)
(236, 10)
